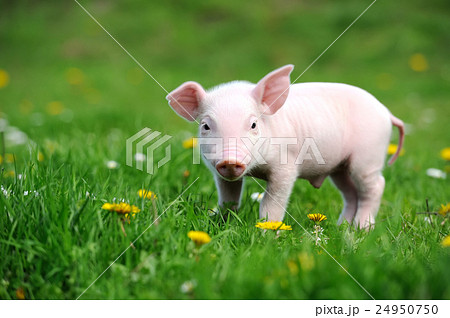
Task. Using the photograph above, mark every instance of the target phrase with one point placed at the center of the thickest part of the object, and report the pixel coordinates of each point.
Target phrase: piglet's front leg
(229, 192)
(279, 187)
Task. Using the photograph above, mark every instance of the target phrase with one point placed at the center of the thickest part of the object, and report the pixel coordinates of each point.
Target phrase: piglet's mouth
(231, 169)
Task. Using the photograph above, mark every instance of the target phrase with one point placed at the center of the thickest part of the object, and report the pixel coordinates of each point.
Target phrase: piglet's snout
(230, 169)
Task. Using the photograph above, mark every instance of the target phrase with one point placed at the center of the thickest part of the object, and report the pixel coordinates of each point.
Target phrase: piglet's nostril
(239, 168)
(230, 170)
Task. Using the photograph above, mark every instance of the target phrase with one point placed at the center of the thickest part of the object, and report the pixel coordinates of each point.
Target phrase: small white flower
(139, 157)
(14, 136)
(111, 164)
(25, 193)
(20, 176)
(5, 192)
(90, 195)
(427, 219)
(213, 211)
(188, 286)
(436, 173)
(257, 196)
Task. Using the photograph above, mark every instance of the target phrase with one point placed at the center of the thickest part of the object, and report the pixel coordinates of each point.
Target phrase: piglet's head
(232, 118)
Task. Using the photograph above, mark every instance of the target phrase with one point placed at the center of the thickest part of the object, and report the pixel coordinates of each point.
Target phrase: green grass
(56, 243)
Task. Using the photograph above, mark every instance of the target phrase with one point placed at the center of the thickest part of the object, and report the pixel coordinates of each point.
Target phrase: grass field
(70, 97)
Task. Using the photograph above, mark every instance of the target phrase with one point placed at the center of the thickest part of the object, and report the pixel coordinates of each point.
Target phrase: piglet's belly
(316, 182)
(316, 173)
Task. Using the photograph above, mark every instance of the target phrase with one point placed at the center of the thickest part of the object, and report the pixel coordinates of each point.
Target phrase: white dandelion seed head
(111, 164)
(14, 136)
(188, 286)
(436, 173)
(140, 157)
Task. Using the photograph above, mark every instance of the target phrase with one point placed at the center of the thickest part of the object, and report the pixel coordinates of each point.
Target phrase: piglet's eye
(206, 127)
(254, 125)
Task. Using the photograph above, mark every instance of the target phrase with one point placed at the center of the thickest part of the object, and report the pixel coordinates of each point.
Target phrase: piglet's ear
(272, 91)
(185, 99)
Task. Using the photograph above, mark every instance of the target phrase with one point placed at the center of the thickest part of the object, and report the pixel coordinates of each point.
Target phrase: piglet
(280, 132)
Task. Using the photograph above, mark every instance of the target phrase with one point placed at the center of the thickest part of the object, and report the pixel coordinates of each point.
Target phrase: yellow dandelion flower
(306, 261)
(128, 215)
(40, 156)
(293, 267)
(55, 108)
(418, 62)
(147, 194)
(10, 173)
(446, 241)
(190, 143)
(74, 76)
(4, 78)
(392, 149)
(199, 237)
(9, 158)
(108, 206)
(122, 208)
(445, 153)
(186, 173)
(444, 209)
(317, 217)
(20, 293)
(271, 225)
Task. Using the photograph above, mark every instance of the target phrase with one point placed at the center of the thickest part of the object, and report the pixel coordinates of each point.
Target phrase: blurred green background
(70, 96)
(213, 42)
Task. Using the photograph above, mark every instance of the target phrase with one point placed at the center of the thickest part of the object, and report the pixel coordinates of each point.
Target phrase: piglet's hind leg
(345, 184)
(370, 190)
